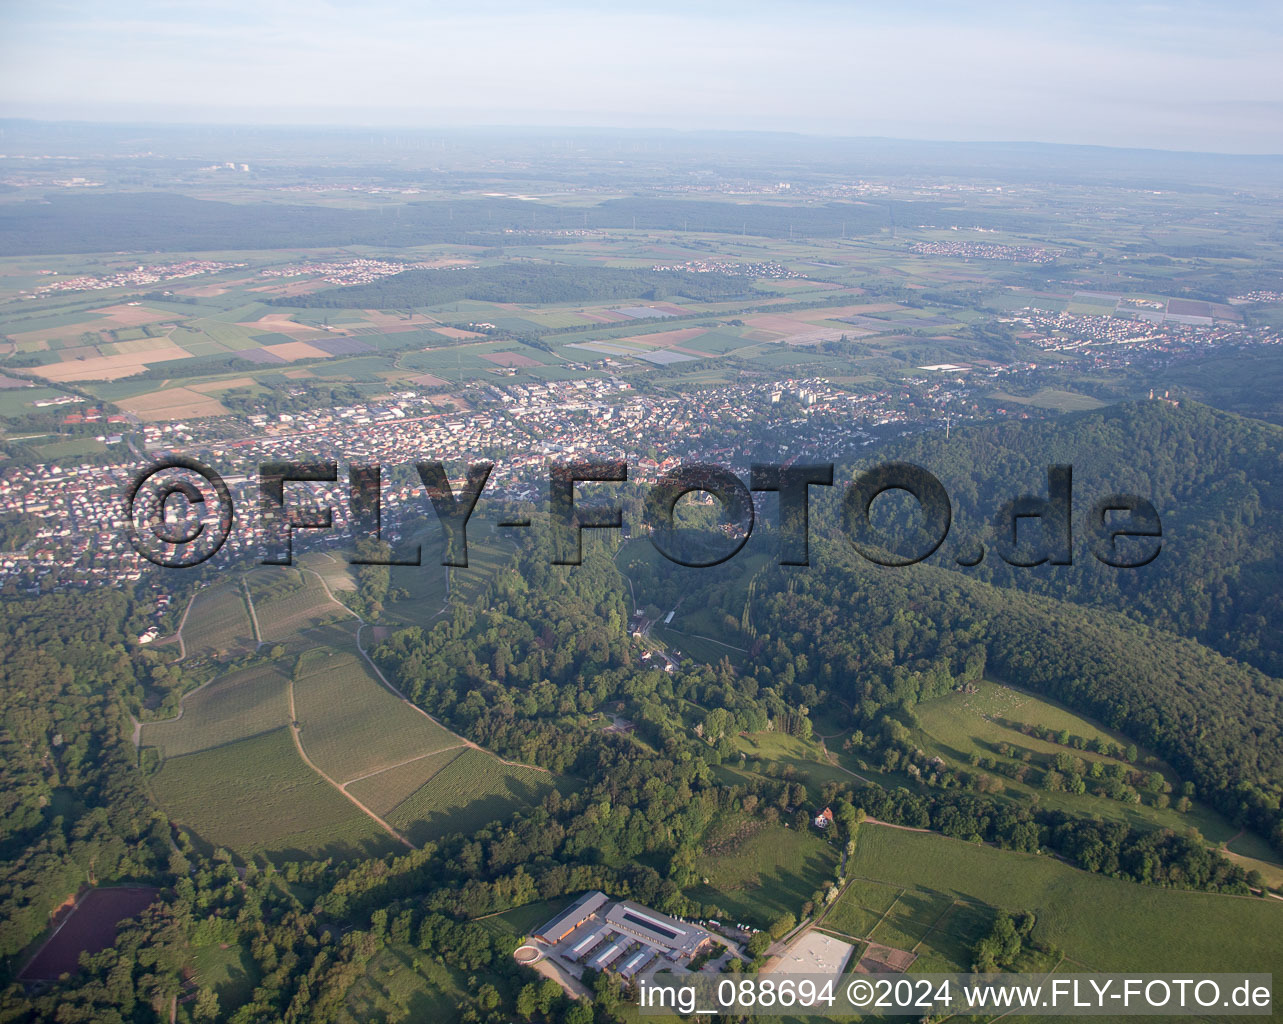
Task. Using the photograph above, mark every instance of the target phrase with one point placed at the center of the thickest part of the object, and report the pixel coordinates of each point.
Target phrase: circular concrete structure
(527, 955)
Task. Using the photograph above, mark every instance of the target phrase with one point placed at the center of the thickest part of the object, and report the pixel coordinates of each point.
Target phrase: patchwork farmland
(385, 789)
(287, 602)
(329, 750)
(257, 796)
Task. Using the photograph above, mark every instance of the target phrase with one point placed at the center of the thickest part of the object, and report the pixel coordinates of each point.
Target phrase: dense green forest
(166, 222)
(1214, 479)
(525, 282)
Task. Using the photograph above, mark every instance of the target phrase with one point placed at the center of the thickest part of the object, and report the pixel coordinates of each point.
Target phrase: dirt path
(906, 828)
(711, 640)
(253, 618)
(178, 633)
(298, 744)
(832, 760)
(409, 760)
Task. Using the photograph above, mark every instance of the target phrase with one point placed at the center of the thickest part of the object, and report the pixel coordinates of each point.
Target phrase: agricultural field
(1052, 398)
(218, 623)
(286, 602)
(424, 585)
(339, 576)
(383, 791)
(350, 724)
(229, 708)
(486, 556)
(757, 872)
(520, 922)
(1138, 927)
(473, 789)
(89, 927)
(277, 806)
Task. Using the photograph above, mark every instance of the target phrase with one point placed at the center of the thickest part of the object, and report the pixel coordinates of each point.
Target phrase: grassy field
(939, 928)
(757, 872)
(959, 725)
(802, 756)
(403, 984)
(424, 584)
(520, 922)
(1134, 928)
(486, 556)
(350, 724)
(473, 789)
(1052, 398)
(331, 567)
(233, 707)
(218, 623)
(257, 796)
(232, 972)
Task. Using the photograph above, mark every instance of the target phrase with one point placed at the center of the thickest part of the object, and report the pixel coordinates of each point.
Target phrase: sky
(1177, 75)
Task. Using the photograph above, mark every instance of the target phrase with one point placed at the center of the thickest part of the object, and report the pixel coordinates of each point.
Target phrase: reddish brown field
(427, 380)
(292, 350)
(1189, 307)
(880, 959)
(90, 927)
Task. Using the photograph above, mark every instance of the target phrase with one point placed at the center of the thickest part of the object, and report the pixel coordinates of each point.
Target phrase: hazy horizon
(1168, 76)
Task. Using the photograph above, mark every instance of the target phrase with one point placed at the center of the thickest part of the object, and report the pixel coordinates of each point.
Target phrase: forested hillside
(881, 638)
(1215, 479)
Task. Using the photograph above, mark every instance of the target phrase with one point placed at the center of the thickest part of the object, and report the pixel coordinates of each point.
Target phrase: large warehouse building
(572, 917)
(622, 936)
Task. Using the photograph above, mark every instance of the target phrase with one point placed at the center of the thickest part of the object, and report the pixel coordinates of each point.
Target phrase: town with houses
(81, 538)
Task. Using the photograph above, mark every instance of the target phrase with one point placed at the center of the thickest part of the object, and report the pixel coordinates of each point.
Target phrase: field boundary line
(1046, 976)
(711, 640)
(182, 703)
(840, 934)
(399, 764)
(384, 680)
(947, 911)
(886, 912)
(298, 744)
